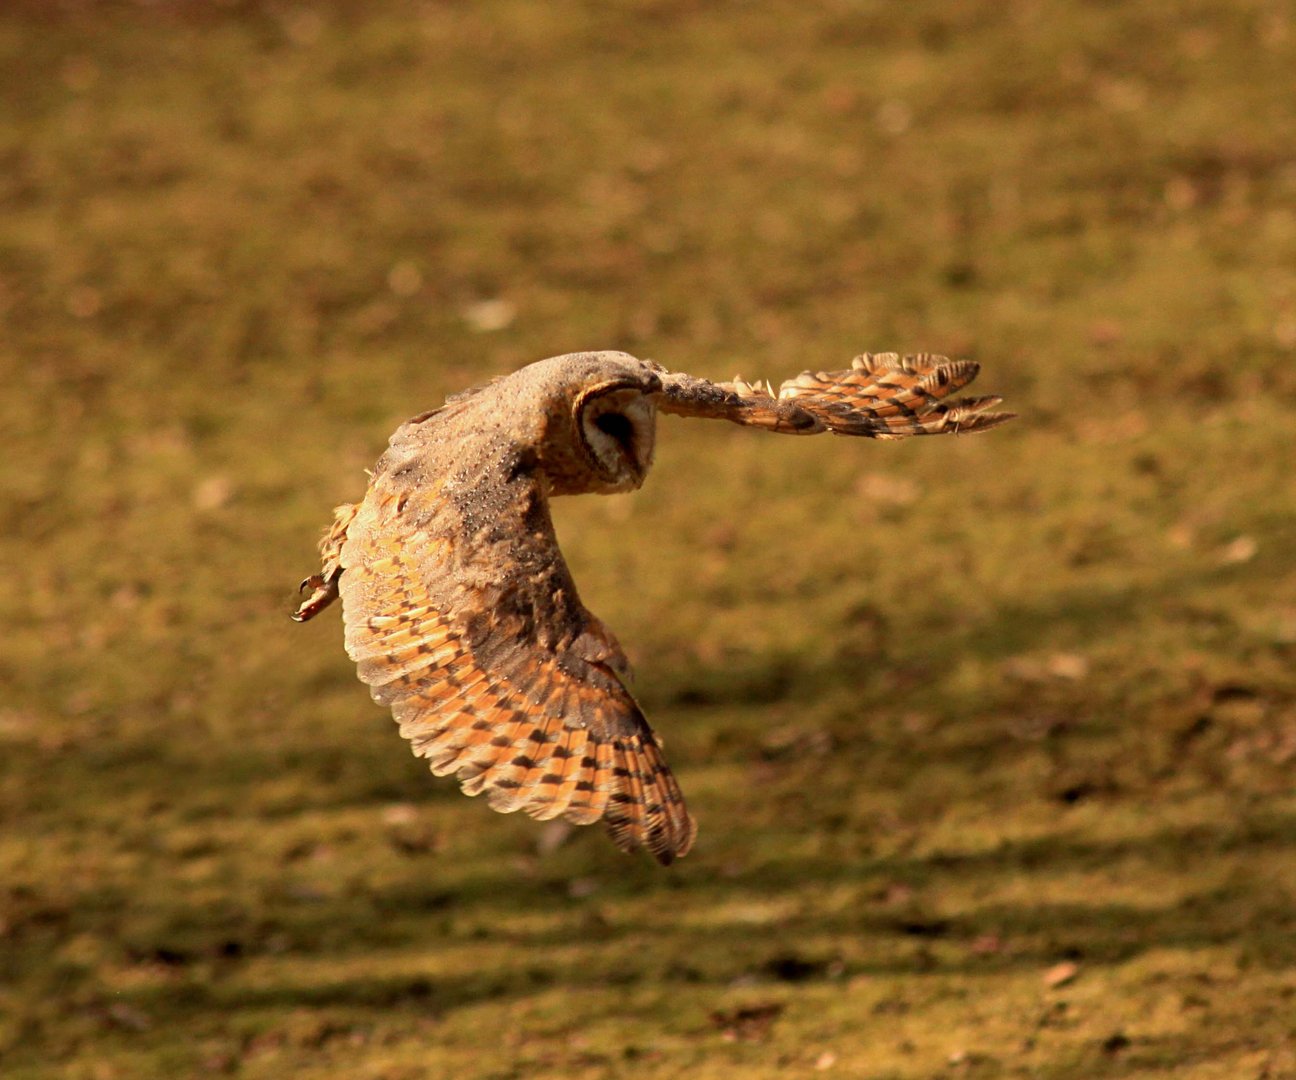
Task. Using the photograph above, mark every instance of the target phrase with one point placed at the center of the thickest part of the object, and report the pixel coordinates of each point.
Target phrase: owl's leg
(324, 592)
(324, 585)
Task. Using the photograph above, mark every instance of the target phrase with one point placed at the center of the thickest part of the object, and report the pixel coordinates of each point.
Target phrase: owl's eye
(617, 425)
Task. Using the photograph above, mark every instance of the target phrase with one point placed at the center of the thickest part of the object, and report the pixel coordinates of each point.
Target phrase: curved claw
(325, 592)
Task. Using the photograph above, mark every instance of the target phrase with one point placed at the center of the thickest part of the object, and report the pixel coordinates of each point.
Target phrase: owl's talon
(325, 592)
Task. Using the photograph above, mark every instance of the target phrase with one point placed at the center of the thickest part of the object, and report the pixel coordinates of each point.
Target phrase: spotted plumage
(459, 609)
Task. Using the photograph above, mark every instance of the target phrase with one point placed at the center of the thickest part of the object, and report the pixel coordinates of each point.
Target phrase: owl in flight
(459, 609)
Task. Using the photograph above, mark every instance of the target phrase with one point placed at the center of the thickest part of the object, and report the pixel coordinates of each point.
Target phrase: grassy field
(991, 740)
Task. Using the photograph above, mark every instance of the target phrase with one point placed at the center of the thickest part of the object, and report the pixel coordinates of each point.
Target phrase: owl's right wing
(881, 396)
(498, 675)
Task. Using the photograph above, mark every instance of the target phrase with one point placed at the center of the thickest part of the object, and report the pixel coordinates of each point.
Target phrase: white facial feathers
(618, 427)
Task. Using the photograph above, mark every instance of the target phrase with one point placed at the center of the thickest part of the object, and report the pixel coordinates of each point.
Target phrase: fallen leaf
(212, 493)
(1061, 974)
(1073, 666)
(487, 316)
(1241, 550)
(400, 814)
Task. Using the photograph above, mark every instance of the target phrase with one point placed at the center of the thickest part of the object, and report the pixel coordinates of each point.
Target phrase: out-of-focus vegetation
(991, 740)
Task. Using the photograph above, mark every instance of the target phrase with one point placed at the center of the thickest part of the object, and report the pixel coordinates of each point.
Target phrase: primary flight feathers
(460, 611)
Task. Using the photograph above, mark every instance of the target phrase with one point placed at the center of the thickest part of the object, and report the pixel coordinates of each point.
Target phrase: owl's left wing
(498, 675)
(881, 396)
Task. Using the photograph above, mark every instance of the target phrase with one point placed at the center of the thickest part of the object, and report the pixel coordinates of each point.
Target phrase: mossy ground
(952, 713)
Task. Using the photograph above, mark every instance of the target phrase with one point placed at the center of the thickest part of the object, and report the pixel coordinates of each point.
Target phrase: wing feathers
(542, 733)
(462, 616)
(881, 396)
(555, 784)
(625, 816)
(589, 797)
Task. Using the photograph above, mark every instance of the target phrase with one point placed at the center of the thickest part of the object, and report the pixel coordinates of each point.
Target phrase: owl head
(602, 421)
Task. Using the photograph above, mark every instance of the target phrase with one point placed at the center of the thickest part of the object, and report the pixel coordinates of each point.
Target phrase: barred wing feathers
(881, 396)
(491, 684)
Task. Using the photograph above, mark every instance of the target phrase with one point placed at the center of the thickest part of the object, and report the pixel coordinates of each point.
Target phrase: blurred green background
(991, 740)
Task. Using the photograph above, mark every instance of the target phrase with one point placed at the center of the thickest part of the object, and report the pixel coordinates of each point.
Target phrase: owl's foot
(324, 592)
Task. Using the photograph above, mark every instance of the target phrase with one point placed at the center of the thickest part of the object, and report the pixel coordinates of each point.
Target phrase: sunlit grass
(990, 739)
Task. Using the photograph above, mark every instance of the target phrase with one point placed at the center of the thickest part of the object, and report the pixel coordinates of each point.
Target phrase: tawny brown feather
(461, 614)
(881, 396)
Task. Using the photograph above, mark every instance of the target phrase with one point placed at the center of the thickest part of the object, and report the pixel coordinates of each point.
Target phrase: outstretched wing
(881, 396)
(494, 670)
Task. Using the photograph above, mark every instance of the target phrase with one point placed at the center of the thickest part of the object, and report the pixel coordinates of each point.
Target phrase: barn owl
(459, 609)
